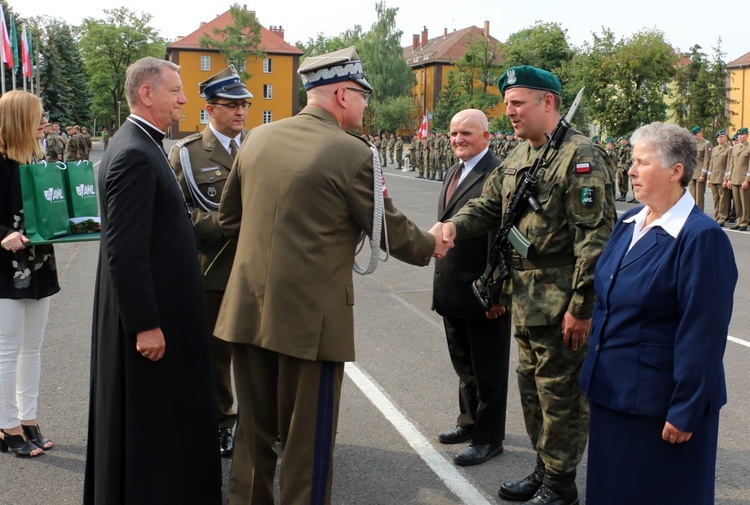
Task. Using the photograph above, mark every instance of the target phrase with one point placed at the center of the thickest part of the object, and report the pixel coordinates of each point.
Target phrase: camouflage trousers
(622, 181)
(555, 410)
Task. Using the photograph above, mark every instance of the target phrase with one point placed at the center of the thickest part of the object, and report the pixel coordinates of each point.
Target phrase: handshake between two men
(445, 235)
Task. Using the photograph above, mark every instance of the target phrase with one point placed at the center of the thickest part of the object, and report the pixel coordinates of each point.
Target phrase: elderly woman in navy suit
(653, 373)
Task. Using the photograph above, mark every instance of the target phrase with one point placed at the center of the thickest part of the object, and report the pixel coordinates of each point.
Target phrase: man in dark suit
(202, 163)
(298, 198)
(152, 425)
(478, 342)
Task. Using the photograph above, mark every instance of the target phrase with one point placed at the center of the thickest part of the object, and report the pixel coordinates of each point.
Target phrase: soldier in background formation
(624, 155)
(105, 138)
(697, 184)
(85, 143)
(391, 147)
(398, 152)
(52, 149)
(717, 173)
(739, 179)
(75, 149)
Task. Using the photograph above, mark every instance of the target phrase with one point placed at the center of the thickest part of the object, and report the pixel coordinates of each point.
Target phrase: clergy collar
(672, 221)
(157, 133)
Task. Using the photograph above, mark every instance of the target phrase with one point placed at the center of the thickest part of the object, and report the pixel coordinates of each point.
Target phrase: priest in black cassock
(152, 428)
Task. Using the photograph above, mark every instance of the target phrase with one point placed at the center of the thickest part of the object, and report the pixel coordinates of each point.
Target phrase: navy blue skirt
(630, 464)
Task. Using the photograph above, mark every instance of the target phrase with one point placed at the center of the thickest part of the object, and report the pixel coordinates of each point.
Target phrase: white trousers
(22, 324)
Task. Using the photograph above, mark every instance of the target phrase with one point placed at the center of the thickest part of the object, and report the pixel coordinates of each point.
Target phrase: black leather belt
(519, 263)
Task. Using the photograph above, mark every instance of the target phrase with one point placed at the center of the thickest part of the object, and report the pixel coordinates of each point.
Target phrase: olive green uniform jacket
(296, 201)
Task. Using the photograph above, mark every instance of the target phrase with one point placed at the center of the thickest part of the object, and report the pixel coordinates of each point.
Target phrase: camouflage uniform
(436, 173)
(74, 149)
(624, 155)
(398, 149)
(105, 139)
(53, 151)
(86, 144)
(577, 216)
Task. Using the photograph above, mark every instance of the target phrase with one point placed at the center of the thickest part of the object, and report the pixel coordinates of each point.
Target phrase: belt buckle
(515, 262)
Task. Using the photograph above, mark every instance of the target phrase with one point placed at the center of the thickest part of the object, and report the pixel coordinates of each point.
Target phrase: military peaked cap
(338, 66)
(696, 129)
(527, 76)
(226, 84)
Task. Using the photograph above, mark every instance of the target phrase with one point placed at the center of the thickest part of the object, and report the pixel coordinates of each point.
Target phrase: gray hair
(672, 144)
(145, 70)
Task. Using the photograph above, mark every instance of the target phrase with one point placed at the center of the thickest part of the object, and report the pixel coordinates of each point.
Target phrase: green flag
(14, 42)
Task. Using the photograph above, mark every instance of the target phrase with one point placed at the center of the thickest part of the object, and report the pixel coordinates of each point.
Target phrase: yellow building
(739, 92)
(274, 82)
(432, 59)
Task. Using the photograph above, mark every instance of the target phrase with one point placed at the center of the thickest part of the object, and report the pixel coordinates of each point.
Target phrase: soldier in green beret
(717, 174)
(553, 292)
(624, 155)
(697, 186)
(740, 179)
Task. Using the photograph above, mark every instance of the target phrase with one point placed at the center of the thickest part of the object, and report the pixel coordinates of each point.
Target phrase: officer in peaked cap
(202, 163)
(297, 200)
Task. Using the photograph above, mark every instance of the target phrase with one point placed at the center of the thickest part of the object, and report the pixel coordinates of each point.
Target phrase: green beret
(609, 140)
(527, 76)
(734, 137)
(720, 133)
(595, 139)
(742, 131)
(623, 137)
(695, 129)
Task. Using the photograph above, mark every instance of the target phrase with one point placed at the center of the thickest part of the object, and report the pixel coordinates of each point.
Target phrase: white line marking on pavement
(738, 341)
(452, 478)
(417, 311)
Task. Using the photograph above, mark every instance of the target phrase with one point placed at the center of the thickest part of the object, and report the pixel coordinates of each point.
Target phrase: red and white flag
(7, 53)
(424, 129)
(25, 53)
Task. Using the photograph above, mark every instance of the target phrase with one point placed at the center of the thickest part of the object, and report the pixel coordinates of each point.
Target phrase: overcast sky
(685, 23)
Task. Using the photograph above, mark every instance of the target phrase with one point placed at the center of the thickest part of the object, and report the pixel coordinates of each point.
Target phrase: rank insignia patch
(583, 168)
(587, 196)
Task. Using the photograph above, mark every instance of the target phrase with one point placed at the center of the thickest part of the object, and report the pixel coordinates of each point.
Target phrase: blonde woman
(28, 276)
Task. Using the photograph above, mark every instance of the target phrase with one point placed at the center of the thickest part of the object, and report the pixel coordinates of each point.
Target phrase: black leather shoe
(35, 437)
(476, 454)
(457, 435)
(742, 228)
(633, 200)
(18, 446)
(524, 489)
(736, 227)
(226, 442)
(556, 490)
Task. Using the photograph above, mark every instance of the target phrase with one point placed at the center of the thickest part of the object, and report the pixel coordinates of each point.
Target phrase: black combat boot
(525, 489)
(556, 490)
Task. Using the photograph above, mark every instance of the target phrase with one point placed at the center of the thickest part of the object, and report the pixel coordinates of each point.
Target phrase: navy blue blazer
(660, 322)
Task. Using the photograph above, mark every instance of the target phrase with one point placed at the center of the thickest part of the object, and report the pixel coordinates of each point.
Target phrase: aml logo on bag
(85, 190)
(53, 194)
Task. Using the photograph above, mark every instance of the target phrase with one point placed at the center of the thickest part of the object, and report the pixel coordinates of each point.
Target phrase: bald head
(469, 133)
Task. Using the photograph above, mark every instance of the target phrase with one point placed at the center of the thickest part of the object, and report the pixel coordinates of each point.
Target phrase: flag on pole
(7, 54)
(424, 129)
(25, 53)
(14, 46)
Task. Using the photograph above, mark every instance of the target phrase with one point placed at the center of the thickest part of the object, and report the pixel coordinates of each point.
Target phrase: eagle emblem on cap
(511, 76)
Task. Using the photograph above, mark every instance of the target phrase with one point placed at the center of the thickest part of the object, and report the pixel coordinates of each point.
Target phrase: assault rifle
(508, 235)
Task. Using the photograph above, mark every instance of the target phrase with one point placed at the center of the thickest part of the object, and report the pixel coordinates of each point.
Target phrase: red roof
(741, 62)
(271, 41)
(446, 48)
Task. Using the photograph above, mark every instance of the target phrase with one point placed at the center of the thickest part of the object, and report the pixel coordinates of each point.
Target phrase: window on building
(240, 66)
(268, 91)
(205, 63)
(422, 99)
(204, 116)
(267, 117)
(267, 65)
(422, 76)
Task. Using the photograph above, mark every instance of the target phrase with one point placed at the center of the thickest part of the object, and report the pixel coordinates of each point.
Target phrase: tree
(479, 66)
(544, 45)
(395, 114)
(109, 47)
(237, 42)
(65, 82)
(449, 102)
(626, 81)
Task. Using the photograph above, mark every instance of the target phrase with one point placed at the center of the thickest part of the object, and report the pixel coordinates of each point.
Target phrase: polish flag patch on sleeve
(583, 168)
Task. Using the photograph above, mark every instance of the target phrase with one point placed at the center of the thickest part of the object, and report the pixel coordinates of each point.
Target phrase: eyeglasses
(365, 93)
(234, 105)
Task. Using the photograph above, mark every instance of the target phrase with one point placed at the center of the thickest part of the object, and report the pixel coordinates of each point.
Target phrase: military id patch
(583, 168)
(587, 196)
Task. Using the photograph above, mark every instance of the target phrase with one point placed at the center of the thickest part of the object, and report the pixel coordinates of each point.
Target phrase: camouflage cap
(338, 66)
(526, 76)
(695, 129)
(226, 84)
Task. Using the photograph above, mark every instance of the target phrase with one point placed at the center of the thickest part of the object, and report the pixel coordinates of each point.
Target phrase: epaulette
(188, 139)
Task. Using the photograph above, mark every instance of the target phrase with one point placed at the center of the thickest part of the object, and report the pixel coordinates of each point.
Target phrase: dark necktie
(233, 148)
(454, 183)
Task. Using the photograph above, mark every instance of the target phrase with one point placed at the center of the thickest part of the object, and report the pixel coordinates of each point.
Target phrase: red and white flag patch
(583, 168)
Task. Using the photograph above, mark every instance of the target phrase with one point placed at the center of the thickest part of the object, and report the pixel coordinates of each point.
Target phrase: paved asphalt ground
(398, 395)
